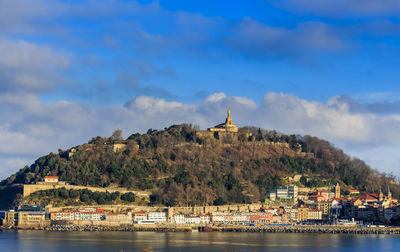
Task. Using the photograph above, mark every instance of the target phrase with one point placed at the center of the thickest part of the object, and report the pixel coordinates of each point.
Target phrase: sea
(43, 241)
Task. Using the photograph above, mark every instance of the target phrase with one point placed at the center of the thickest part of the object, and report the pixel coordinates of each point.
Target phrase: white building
(88, 216)
(157, 217)
(192, 220)
(68, 215)
(139, 216)
(314, 214)
(241, 217)
(179, 219)
(218, 217)
(205, 219)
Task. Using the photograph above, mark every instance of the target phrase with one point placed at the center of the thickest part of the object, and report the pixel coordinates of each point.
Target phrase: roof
(137, 213)
(367, 197)
(51, 177)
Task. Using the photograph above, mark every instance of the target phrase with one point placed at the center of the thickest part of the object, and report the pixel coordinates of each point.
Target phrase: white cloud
(10, 165)
(339, 8)
(25, 66)
(29, 127)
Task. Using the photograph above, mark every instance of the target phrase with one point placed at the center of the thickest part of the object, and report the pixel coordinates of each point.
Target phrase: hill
(184, 166)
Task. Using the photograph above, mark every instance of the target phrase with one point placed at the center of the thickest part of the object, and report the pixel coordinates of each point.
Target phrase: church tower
(228, 126)
(389, 194)
(337, 190)
(380, 196)
(228, 121)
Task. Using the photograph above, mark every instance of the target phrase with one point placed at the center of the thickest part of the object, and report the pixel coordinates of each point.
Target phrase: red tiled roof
(51, 177)
(367, 197)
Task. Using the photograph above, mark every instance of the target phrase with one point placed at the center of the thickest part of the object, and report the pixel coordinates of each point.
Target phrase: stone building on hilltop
(227, 130)
(228, 126)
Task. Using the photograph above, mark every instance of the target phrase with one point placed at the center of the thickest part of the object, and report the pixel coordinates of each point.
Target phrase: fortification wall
(29, 189)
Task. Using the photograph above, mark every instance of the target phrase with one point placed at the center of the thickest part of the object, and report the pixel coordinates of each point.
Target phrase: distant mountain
(182, 165)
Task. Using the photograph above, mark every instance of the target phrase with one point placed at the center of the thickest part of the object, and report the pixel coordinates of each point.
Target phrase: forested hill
(183, 167)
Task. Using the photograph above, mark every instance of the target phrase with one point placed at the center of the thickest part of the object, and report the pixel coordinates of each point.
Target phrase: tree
(130, 197)
(117, 135)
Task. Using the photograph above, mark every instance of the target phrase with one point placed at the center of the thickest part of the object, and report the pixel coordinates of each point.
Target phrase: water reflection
(193, 242)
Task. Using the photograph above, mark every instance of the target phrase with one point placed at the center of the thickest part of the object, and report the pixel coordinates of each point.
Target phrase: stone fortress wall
(29, 189)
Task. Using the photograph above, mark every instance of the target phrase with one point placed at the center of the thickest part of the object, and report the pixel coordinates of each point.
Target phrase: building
(302, 213)
(179, 219)
(9, 218)
(353, 192)
(63, 215)
(205, 219)
(292, 214)
(228, 126)
(283, 193)
(314, 214)
(139, 216)
(157, 217)
(119, 217)
(220, 217)
(51, 179)
(322, 195)
(192, 220)
(31, 218)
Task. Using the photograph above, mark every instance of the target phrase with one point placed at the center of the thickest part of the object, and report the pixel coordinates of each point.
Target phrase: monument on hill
(228, 126)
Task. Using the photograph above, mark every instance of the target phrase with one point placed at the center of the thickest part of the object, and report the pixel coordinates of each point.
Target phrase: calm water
(137, 241)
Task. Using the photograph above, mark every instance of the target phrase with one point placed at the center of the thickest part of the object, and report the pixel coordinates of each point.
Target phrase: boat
(205, 229)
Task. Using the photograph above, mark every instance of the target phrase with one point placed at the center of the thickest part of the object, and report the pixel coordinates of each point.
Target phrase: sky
(73, 70)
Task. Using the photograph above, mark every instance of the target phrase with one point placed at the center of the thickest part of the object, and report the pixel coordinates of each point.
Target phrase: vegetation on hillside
(65, 197)
(183, 169)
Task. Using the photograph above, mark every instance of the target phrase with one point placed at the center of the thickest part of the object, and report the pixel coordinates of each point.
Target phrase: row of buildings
(28, 218)
(365, 207)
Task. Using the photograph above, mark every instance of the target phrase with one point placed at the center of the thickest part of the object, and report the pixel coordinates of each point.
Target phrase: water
(137, 241)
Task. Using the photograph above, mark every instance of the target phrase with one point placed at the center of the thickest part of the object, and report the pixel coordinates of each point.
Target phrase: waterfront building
(192, 220)
(292, 214)
(241, 217)
(205, 219)
(88, 216)
(31, 218)
(302, 213)
(139, 216)
(314, 214)
(219, 217)
(119, 217)
(9, 218)
(179, 219)
(157, 217)
(63, 215)
(262, 218)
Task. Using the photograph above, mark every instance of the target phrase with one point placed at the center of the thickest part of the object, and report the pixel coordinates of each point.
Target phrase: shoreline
(240, 229)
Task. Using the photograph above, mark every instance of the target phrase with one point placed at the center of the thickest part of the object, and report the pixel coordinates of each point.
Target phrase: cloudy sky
(71, 70)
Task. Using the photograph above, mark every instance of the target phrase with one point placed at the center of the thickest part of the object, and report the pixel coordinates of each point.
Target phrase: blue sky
(71, 70)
